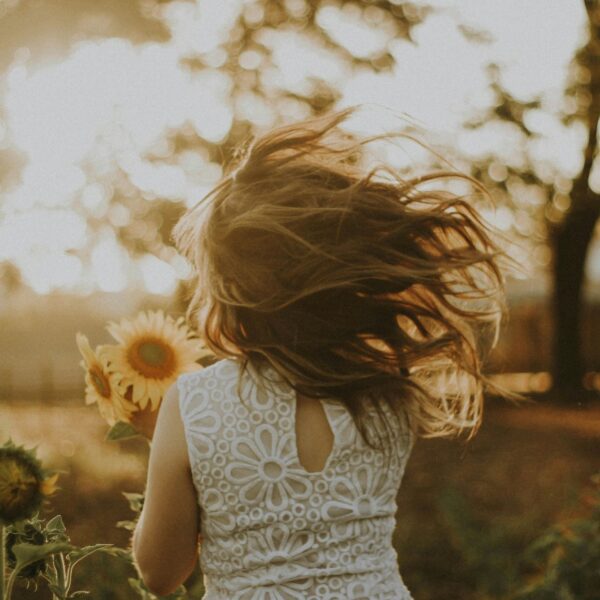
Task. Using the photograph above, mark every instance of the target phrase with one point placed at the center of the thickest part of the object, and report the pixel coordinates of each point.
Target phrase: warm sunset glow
(232, 331)
(110, 104)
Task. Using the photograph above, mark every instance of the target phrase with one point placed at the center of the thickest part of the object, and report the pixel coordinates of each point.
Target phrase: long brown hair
(351, 284)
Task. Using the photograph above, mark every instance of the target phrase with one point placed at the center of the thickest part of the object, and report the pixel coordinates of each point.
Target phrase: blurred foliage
(563, 563)
(496, 561)
(245, 56)
(489, 551)
(39, 549)
(532, 193)
(567, 556)
(244, 37)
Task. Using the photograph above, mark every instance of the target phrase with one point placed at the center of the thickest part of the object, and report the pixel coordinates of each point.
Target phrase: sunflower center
(153, 354)
(100, 382)
(152, 358)
(19, 489)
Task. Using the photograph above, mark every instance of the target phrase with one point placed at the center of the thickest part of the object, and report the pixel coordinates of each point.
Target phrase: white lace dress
(272, 530)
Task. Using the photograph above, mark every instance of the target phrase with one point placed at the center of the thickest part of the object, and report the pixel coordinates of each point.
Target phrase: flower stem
(9, 585)
(2, 561)
(59, 565)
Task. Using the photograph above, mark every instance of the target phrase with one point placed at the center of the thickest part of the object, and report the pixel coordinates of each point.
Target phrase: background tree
(572, 235)
(570, 209)
(245, 53)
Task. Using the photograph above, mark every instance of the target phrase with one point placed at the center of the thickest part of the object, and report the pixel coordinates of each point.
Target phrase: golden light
(110, 105)
(58, 114)
(109, 264)
(347, 26)
(159, 276)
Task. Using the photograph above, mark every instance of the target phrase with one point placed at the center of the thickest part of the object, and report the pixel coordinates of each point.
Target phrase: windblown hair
(351, 284)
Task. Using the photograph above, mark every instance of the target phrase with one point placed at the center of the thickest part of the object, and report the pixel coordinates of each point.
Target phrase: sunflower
(103, 385)
(23, 483)
(153, 350)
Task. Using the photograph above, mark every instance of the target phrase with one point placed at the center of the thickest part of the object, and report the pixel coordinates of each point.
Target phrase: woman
(351, 311)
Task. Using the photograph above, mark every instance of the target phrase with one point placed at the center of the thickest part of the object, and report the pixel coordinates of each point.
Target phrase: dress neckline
(336, 441)
(286, 391)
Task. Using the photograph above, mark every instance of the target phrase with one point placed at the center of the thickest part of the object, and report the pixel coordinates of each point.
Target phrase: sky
(109, 103)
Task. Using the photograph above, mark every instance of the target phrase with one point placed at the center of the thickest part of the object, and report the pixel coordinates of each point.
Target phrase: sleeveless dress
(271, 530)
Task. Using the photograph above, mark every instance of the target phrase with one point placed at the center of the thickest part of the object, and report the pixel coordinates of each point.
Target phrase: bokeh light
(110, 109)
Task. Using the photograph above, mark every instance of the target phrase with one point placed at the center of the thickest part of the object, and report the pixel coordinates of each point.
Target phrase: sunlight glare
(200, 27)
(46, 184)
(40, 230)
(44, 271)
(159, 276)
(109, 104)
(59, 114)
(109, 261)
(348, 27)
(297, 58)
(95, 198)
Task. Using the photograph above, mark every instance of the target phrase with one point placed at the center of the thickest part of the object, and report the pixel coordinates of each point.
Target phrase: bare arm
(165, 541)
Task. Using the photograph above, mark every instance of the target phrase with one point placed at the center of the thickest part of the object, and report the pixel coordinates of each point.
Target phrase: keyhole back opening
(315, 438)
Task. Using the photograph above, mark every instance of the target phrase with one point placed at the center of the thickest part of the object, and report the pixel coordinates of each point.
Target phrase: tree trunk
(571, 242)
(572, 237)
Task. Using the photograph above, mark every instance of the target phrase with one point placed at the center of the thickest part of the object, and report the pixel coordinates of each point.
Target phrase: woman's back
(292, 506)
(356, 285)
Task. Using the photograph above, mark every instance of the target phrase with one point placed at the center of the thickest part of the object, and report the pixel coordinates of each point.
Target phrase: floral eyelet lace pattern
(271, 529)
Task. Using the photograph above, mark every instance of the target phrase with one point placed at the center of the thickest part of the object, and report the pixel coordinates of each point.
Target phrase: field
(467, 510)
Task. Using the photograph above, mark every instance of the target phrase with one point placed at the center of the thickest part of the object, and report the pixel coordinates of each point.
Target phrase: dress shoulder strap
(201, 397)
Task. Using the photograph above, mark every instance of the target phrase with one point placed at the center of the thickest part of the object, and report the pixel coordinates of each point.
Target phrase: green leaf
(56, 525)
(139, 588)
(79, 553)
(122, 553)
(129, 525)
(180, 592)
(135, 499)
(25, 554)
(56, 590)
(121, 431)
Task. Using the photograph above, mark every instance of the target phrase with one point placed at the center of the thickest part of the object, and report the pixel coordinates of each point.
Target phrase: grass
(466, 510)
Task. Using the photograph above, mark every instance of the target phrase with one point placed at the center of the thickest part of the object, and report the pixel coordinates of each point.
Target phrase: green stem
(64, 574)
(11, 582)
(2, 561)
(51, 565)
(59, 566)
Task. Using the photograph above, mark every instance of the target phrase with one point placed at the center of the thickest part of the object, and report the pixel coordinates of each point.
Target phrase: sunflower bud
(23, 483)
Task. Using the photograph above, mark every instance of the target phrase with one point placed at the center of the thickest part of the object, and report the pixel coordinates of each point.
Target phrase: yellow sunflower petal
(109, 355)
(84, 347)
(48, 486)
(140, 394)
(155, 393)
(115, 330)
